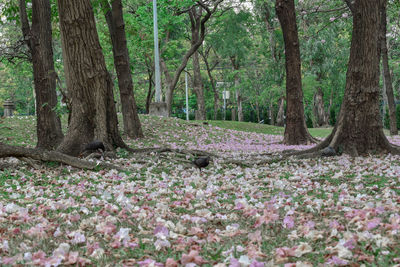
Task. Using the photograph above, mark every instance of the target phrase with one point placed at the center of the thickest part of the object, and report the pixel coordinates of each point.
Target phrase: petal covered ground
(330, 211)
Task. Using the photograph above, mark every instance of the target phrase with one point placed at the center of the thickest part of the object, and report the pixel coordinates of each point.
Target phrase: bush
(309, 121)
(332, 117)
(398, 116)
(386, 119)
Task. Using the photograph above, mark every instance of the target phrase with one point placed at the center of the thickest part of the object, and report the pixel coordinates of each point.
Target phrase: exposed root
(167, 149)
(45, 155)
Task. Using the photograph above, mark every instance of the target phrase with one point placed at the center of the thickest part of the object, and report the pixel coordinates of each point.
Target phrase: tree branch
(350, 4)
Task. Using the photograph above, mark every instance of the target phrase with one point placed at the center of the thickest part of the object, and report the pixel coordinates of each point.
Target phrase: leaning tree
(38, 38)
(93, 114)
(359, 128)
(296, 131)
(116, 26)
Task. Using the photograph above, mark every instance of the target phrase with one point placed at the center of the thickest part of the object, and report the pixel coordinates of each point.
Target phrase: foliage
(239, 30)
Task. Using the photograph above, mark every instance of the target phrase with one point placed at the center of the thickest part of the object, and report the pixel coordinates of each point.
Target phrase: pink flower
(373, 223)
(337, 261)
(192, 257)
(288, 222)
(171, 263)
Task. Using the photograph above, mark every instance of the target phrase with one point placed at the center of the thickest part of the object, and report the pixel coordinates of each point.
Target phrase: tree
(387, 79)
(93, 114)
(232, 41)
(359, 128)
(195, 15)
(296, 131)
(205, 52)
(116, 26)
(198, 34)
(38, 37)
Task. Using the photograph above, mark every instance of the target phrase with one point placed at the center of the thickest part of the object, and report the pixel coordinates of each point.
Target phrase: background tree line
(238, 42)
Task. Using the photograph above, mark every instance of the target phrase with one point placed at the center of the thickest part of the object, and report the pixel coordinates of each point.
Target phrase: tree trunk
(233, 117)
(258, 111)
(116, 27)
(296, 132)
(236, 66)
(280, 117)
(150, 91)
(39, 40)
(387, 79)
(318, 108)
(359, 128)
(212, 81)
(198, 88)
(271, 112)
(93, 114)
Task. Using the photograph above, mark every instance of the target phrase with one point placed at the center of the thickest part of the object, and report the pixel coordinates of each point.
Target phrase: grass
(264, 128)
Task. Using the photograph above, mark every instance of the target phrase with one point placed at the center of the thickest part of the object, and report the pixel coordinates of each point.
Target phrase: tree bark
(150, 91)
(387, 79)
(236, 66)
(296, 131)
(116, 27)
(280, 120)
(46, 155)
(198, 88)
(318, 108)
(39, 40)
(93, 114)
(271, 112)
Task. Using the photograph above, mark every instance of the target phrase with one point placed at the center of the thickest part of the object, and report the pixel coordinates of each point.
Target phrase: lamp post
(187, 96)
(157, 108)
(156, 54)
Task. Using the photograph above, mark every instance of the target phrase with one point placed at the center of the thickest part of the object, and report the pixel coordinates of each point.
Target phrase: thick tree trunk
(296, 132)
(198, 88)
(116, 27)
(38, 39)
(280, 117)
(93, 114)
(359, 128)
(387, 79)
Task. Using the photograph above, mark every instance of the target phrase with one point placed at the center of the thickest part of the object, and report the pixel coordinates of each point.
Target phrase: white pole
(187, 97)
(224, 104)
(156, 54)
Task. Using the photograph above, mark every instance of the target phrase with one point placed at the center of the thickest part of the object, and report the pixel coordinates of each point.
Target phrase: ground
(324, 211)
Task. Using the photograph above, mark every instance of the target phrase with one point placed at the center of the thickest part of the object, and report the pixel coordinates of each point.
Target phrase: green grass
(264, 128)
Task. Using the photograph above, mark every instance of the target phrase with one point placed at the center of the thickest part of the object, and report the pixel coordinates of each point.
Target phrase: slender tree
(116, 27)
(93, 114)
(387, 79)
(198, 34)
(296, 131)
(195, 15)
(205, 54)
(38, 37)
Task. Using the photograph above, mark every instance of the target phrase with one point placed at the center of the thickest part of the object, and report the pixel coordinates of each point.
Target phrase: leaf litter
(315, 212)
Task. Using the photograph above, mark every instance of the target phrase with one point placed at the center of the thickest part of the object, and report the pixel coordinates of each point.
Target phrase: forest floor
(323, 211)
